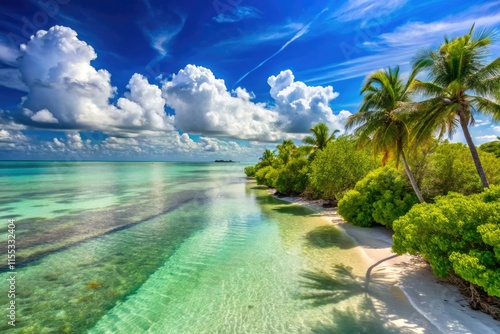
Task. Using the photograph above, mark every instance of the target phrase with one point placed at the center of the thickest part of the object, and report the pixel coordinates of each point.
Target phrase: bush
(338, 167)
(451, 169)
(266, 176)
(457, 234)
(491, 147)
(292, 179)
(250, 171)
(381, 197)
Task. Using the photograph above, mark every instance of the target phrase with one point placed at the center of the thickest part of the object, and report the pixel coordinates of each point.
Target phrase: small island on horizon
(220, 160)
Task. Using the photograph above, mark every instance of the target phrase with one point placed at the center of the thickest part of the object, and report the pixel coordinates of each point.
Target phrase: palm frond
(427, 88)
(487, 106)
(309, 140)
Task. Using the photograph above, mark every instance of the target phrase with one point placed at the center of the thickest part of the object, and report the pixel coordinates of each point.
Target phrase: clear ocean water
(150, 247)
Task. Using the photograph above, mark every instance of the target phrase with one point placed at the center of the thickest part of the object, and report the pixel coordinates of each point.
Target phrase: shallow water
(166, 248)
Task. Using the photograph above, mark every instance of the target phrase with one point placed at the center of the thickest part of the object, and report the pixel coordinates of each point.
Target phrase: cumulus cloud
(12, 139)
(145, 105)
(67, 93)
(174, 145)
(203, 105)
(68, 90)
(301, 106)
(44, 116)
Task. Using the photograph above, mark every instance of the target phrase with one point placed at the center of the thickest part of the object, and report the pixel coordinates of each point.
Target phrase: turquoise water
(162, 248)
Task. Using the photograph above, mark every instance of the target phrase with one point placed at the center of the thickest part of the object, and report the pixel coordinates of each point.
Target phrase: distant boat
(225, 161)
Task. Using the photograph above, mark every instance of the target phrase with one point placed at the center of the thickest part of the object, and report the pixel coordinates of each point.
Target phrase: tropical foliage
(293, 178)
(377, 121)
(462, 84)
(457, 234)
(492, 147)
(451, 169)
(319, 139)
(458, 230)
(338, 167)
(381, 197)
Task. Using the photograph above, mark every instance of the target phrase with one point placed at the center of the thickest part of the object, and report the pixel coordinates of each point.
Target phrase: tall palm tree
(320, 137)
(378, 122)
(461, 84)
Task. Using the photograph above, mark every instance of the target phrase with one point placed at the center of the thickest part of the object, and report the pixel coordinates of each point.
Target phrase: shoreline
(436, 300)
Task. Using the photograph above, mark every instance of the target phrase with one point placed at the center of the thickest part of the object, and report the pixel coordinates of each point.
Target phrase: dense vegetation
(456, 225)
(450, 168)
(458, 235)
(492, 147)
(381, 197)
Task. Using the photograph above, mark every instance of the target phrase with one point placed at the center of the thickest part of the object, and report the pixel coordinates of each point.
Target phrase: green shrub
(491, 147)
(292, 179)
(381, 197)
(338, 167)
(457, 234)
(271, 177)
(451, 169)
(266, 176)
(250, 171)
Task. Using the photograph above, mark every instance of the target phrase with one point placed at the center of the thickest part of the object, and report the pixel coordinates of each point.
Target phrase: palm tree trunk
(464, 122)
(412, 179)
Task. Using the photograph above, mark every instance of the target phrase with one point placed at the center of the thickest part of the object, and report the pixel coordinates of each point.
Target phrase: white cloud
(400, 45)
(66, 92)
(8, 54)
(422, 33)
(299, 34)
(74, 141)
(145, 104)
(55, 65)
(203, 105)
(482, 122)
(59, 144)
(359, 67)
(301, 106)
(121, 144)
(366, 9)
(7, 121)
(12, 140)
(11, 78)
(161, 27)
(269, 34)
(237, 14)
(487, 137)
(174, 145)
(44, 116)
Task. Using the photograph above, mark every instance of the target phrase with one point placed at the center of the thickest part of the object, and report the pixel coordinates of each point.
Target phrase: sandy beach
(436, 300)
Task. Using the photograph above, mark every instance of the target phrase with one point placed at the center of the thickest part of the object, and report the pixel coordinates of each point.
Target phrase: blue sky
(199, 80)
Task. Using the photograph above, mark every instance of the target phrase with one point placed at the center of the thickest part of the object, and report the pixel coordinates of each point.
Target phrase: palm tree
(267, 158)
(461, 84)
(320, 137)
(285, 150)
(378, 122)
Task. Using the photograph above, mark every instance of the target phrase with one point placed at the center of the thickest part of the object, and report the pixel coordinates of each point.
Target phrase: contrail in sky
(297, 35)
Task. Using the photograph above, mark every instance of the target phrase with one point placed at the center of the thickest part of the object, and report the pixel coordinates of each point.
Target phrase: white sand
(438, 303)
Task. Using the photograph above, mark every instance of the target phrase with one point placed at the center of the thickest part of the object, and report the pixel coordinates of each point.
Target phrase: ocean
(161, 247)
